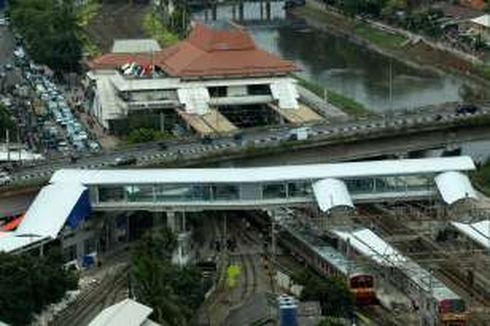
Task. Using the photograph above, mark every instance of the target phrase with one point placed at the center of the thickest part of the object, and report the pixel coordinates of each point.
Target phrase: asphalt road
(152, 154)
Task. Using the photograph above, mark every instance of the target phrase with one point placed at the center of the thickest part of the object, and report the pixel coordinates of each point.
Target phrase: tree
(174, 292)
(6, 122)
(333, 294)
(50, 30)
(29, 283)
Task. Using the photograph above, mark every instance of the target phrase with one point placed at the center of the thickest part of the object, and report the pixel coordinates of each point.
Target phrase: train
(327, 261)
(436, 303)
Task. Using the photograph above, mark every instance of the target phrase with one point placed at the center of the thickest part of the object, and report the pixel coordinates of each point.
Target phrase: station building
(66, 210)
(215, 81)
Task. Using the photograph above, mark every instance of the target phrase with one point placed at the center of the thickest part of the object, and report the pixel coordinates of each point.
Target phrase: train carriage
(437, 304)
(327, 261)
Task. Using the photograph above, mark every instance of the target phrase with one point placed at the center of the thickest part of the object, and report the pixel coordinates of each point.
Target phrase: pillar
(240, 11)
(268, 9)
(214, 11)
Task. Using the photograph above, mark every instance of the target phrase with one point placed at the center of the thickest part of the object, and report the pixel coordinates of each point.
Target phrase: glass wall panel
(299, 189)
(111, 193)
(140, 193)
(225, 192)
(359, 186)
(274, 190)
(170, 193)
(184, 192)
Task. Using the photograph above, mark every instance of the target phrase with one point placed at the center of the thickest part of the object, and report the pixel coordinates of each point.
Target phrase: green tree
(174, 292)
(6, 122)
(29, 283)
(50, 30)
(333, 294)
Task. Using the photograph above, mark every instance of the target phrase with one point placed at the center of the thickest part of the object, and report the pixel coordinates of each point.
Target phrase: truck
(301, 133)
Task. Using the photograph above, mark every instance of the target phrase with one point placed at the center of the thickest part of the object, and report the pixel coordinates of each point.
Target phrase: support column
(171, 221)
(240, 11)
(268, 10)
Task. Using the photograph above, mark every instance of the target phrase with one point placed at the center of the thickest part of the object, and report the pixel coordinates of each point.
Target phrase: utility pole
(7, 141)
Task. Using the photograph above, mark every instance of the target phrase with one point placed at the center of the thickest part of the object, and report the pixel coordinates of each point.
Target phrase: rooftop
(135, 46)
(206, 52)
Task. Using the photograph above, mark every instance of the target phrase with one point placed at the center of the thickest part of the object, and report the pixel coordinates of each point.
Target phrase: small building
(482, 26)
(213, 81)
(127, 312)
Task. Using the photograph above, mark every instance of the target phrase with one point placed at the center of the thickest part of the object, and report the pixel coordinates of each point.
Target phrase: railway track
(93, 301)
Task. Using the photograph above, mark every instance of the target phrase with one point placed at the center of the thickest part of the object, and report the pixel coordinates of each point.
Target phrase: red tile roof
(207, 53)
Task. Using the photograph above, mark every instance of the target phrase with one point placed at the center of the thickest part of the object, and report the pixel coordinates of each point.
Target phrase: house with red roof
(202, 79)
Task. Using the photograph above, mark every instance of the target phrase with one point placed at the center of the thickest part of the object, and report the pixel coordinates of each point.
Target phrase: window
(225, 192)
(299, 189)
(140, 193)
(262, 89)
(89, 246)
(218, 91)
(274, 190)
(111, 193)
(70, 253)
(174, 193)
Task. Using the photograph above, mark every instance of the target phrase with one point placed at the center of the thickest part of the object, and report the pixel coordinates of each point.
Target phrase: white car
(4, 178)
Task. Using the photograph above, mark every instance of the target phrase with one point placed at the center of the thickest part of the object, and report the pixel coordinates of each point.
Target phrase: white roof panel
(148, 45)
(195, 99)
(371, 245)
(482, 20)
(454, 186)
(331, 193)
(479, 231)
(286, 93)
(11, 241)
(127, 312)
(267, 174)
(48, 213)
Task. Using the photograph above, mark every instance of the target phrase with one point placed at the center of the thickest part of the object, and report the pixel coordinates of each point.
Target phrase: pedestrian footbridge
(74, 193)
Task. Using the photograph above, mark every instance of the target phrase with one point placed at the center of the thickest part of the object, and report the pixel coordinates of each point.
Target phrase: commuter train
(437, 304)
(327, 261)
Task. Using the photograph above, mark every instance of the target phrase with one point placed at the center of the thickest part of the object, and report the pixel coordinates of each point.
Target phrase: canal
(338, 64)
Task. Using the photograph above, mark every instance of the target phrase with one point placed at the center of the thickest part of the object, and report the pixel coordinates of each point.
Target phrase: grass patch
(483, 70)
(344, 103)
(380, 38)
(155, 28)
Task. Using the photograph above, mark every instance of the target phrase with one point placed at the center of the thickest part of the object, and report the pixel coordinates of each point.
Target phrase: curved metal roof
(454, 186)
(330, 193)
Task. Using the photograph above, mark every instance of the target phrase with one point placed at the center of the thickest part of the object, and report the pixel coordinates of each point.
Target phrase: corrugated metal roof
(135, 46)
(325, 251)
(127, 312)
(454, 186)
(330, 193)
(312, 172)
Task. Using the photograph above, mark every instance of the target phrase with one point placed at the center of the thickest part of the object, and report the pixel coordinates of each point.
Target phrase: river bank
(418, 55)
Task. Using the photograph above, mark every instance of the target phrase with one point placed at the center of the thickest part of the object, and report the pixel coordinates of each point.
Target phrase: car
(163, 146)
(4, 179)
(124, 160)
(467, 109)
(206, 140)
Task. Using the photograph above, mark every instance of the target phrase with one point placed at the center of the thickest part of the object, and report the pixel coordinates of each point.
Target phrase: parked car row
(63, 132)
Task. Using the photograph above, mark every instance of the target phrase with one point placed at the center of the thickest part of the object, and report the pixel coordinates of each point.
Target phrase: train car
(437, 304)
(327, 261)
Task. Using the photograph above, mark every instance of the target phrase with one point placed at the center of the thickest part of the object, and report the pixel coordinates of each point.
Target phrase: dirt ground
(117, 20)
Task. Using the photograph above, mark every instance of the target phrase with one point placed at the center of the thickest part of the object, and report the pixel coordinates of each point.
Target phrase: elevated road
(436, 126)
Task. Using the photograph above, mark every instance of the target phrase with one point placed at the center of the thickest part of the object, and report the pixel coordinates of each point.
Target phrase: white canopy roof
(454, 186)
(478, 231)
(48, 213)
(482, 20)
(127, 312)
(145, 45)
(331, 193)
(371, 245)
(312, 172)
(11, 241)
